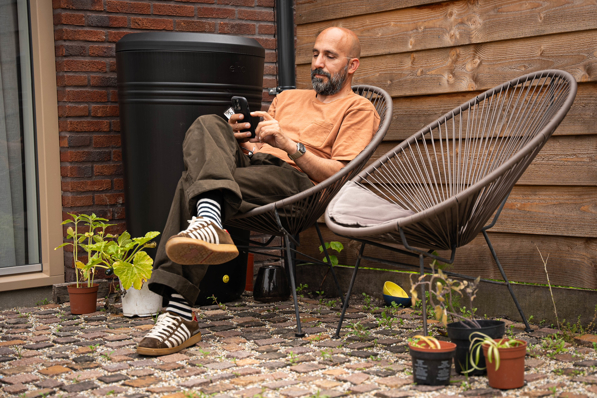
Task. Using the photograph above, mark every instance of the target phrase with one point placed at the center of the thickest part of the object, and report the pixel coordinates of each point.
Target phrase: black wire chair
(293, 215)
(444, 183)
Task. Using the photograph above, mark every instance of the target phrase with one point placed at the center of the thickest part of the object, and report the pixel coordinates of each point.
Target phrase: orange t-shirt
(338, 130)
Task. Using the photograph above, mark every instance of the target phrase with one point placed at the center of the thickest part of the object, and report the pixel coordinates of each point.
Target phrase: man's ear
(353, 65)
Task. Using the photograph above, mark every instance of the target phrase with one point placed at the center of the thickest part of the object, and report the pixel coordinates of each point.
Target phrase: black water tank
(165, 81)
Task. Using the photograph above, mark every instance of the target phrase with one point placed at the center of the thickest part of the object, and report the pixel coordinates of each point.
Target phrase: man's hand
(268, 132)
(237, 125)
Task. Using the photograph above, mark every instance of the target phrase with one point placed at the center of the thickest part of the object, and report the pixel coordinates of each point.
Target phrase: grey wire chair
(293, 215)
(438, 189)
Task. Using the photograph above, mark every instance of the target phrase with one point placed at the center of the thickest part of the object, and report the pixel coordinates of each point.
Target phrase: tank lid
(186, 41)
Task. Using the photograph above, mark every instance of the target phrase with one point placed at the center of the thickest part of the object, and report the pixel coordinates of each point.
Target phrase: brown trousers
(214, 161)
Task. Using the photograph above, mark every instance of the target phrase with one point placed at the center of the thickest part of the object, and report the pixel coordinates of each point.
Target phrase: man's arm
(269, 132)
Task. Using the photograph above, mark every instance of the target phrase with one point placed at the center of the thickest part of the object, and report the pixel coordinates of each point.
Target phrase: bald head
(344, 39)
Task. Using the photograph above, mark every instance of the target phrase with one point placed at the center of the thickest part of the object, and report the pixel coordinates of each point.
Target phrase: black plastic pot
(459, 334)
(271, 285)
(432, 367)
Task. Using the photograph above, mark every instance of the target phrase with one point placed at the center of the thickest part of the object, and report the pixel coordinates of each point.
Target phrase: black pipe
(285, 37)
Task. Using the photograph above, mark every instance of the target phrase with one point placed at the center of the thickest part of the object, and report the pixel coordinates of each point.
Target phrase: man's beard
(334, 83)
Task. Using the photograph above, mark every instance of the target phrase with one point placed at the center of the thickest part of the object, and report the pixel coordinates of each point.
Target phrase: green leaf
(62, 245)
(148, 236)
(320, 249)
(70, 232)
(333, 258)
(136, 273)
(337, 246)
(124, 238)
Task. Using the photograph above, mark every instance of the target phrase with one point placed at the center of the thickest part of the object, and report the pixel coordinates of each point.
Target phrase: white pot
(142, 302)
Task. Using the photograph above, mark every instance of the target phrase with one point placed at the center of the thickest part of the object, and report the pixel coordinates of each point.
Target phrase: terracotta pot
(511, 372)
(432, 366)
(83, 300)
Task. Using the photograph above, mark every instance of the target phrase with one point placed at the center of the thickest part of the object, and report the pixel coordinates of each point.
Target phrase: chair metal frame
(453, 200)
(293, 215)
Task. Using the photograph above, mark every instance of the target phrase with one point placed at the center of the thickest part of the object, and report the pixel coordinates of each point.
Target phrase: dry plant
(549, 284)
(441, 288)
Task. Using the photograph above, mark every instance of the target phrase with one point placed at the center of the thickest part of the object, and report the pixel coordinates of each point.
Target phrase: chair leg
(331, 267)
(345, 305)
(291, 274)
(526, 323)
(423, 299)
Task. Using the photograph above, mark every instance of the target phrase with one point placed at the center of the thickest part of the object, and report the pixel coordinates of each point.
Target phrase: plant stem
(549, 284)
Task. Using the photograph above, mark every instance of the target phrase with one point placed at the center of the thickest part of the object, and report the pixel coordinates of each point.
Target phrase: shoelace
(165, 321)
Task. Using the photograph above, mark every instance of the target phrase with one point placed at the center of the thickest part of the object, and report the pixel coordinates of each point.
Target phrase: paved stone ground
(249, 350)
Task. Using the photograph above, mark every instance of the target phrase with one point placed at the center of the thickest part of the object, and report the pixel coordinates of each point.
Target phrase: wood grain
(454, 23)
(413, 113)
(475, 67)
(571, 260)
(563, 161)
(308, 11)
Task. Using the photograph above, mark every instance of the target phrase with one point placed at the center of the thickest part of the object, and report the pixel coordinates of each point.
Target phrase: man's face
(329, 66)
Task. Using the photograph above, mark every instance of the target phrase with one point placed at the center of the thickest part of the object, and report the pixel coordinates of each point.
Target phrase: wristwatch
(300, 151)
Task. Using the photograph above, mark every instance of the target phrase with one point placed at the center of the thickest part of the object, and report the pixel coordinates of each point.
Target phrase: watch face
(301, 148)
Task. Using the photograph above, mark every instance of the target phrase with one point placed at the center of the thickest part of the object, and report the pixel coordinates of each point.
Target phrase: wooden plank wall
(431, 56)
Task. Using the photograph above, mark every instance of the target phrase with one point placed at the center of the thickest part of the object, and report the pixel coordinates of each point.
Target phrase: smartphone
(241, 105)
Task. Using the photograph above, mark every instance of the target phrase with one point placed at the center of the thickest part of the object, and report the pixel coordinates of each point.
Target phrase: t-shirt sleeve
(272, 108)
(356, 131)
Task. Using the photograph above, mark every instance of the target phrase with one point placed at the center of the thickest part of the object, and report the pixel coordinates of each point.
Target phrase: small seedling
(293, 358)
(93, 348)
(327, 354)
(108, 356)
(43, 302)
(215, 301)
(302, 287)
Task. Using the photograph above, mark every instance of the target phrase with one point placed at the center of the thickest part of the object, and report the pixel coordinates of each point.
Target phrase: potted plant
(126, 258)
(431, 359)
(506, 359)
(118, 255)
(83, 293)
(443, 293)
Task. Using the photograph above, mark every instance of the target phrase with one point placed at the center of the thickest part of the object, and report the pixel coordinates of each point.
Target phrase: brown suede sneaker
(203, 242)
(170, 334)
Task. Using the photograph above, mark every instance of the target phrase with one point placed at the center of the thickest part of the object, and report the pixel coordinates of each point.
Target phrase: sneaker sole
(187, 251)
(165, 351)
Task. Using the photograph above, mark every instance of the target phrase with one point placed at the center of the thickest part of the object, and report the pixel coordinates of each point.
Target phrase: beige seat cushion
(355, 206)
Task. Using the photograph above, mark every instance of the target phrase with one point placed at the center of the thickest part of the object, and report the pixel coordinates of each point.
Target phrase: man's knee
(207, 124)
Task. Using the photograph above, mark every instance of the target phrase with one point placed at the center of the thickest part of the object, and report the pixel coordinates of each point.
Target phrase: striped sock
(211, 210)
(180, 306)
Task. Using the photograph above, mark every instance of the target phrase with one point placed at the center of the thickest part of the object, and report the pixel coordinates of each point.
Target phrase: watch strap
(300, 151)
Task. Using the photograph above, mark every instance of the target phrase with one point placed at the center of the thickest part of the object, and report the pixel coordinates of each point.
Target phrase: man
(305, 137)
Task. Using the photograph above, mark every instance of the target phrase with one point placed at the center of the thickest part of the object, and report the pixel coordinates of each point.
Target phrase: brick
(85, 156)
(114, 95)
(117, 155)
(195, 26)
(128, 7)
(71, 50)
(237, 28)
(79, 34)
(119, 213)
(246, 3)
(86, 96)
(71, 65)
(270, 70)
(94, 5)
(76, 171)
(103, 81)
(71, 80)
(267, 43)
(118, 184)
(88, 125)
(104, 110)
(106, 141)
(266, 29)
(112, 67)
(216, 12)
(270, 56)
(77, 201)
(63, 142)
(107, 169)
(256, 15)
(152, 23)
(172, 9)
(86, 186)
(69, 19)
(198, 1)
(265, 3)
(104, 21)
(116, 125)
(102, 51)
(78, 140)
(114, 36)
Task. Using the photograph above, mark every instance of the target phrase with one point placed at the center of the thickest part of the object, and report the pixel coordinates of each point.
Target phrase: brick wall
(86, 32)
